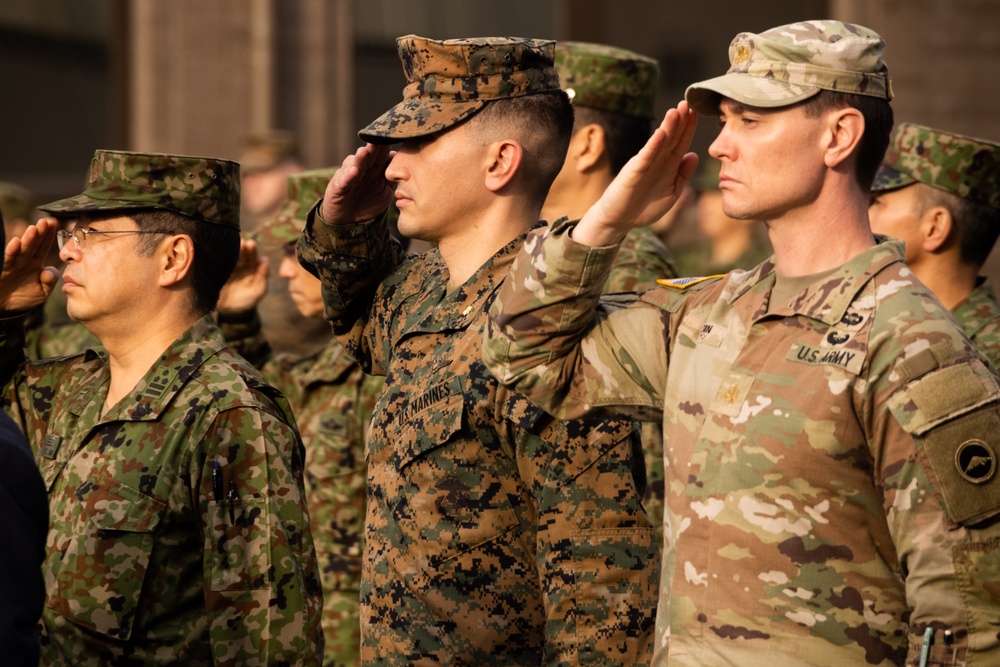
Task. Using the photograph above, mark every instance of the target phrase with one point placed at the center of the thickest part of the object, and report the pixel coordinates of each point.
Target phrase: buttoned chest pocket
(96, 578)
(449, 497)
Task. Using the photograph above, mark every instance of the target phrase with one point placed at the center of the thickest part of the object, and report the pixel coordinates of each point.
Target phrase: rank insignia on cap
(742, 55)
(975, 461)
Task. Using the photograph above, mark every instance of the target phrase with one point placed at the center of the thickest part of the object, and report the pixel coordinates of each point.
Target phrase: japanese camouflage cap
(303, 190)
(449, 81)
(963, 166)
(791, 63)
(263, 151)
(206, 189)
(608, 78)
(16, 202)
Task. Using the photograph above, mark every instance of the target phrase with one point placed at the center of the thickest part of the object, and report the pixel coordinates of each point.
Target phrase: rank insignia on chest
(50, 445)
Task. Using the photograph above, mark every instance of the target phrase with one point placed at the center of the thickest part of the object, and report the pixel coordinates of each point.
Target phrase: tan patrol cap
(791, 63)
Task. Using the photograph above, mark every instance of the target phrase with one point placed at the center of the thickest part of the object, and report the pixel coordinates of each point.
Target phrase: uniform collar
(442, 309)
(826, 300)
(154, 392)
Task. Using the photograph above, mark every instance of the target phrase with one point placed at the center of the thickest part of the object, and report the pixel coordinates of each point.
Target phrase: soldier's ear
(175, 255)
(588, 147)
(503, 160)
(937, 228)
(844, 130)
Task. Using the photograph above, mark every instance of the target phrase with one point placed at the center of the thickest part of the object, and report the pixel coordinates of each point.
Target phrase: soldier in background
(725, 243)
(24, 522)
(179, 531)
(332, 400)
(495, 534)
(940, 193)
(613, 92)
(49, 331)
(267, 160)
(831, 436)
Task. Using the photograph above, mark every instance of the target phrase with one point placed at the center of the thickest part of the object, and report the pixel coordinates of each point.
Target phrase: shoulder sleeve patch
(684, 283)
(963, 456)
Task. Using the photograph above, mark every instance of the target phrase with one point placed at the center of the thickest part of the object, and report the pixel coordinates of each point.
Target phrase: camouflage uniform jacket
(149, 561)
(332, 400)
(495, 534)
(979, 316)
(829, 461)
(642, 260)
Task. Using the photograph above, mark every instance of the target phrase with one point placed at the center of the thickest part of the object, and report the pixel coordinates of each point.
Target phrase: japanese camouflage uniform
(179, 531)
(332, 400)
(830, 459)
(611, 80)
(495, 534)
(965, 167)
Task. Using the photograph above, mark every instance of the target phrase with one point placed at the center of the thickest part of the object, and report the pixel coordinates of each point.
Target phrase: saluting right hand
(359, 190)
(26, 281)
(247, 284)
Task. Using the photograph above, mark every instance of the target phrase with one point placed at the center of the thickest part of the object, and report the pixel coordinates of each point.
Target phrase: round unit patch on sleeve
(975, 461)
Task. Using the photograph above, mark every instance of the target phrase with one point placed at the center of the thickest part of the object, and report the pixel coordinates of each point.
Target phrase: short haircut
(978, 225)
(216, 249)
(624, 135)
(542, 123)
(878, 126)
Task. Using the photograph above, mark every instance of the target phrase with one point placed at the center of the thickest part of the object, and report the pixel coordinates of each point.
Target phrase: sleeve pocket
(239, 549)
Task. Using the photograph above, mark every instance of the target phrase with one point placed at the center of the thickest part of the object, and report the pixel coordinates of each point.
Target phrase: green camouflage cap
(303, 190)
(963, 166)
(449, 81)
(263, 151)
(608, 78)
(16, 202)
(202, 188)
(793, 62)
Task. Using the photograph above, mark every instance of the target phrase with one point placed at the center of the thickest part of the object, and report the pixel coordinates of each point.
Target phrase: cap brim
(888, 178)
(278, 231)
(418, 118)
(754, 91)
(85, 204)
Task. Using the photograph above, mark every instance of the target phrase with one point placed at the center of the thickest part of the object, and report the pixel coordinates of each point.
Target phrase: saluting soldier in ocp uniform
(831, 436)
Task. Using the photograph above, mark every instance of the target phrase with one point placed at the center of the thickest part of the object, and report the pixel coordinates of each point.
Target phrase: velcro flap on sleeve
(943, 394)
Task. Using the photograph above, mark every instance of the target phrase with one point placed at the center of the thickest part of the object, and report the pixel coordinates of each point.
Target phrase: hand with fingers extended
(647, 186)
(359, 190)
(26, 281)
(247, 285)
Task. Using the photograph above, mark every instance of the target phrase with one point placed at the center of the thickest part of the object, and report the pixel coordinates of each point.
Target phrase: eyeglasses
(79, 235)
